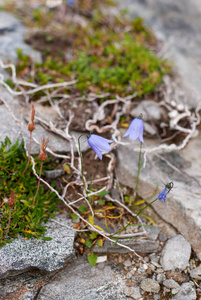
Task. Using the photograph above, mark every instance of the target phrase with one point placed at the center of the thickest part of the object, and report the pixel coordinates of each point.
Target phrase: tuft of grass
(26, 218)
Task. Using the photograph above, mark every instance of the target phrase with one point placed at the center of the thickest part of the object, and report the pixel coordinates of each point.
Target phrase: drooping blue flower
(165, 191)
(135, 130)
(70, 2)
(99, 144)
(162, 195)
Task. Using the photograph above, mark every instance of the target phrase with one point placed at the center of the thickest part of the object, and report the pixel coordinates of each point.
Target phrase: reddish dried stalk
(11, 203)
(31, 127)
(42, 156)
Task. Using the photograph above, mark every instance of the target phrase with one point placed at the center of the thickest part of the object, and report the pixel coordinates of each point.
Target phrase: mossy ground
(26, 218)
(103, 52)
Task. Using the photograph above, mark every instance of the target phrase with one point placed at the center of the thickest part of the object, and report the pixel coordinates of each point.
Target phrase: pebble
(171, 284)
(175, 291)
(133, 291)
(101, 259)
(141, 270)
(160, 277)
(196, 273)
(150, 285)
(186, 292)
(162, 237)
(127, 263)
(157, 297)
(176, 253)
(155, 260)
(54, 173)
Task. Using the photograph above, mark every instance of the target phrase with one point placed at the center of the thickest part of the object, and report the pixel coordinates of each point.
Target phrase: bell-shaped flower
(165, 191)
(70, 2)
(135, 130)
(99, 144)
(162, 195)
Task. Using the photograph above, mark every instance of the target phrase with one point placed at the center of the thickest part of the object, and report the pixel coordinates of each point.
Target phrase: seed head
(31, 125)
(43, 156)
(11, 200)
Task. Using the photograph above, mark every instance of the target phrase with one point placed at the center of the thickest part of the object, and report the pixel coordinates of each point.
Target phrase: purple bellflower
(70, 2)
(136, 129)
(165, 191)
(99, 144)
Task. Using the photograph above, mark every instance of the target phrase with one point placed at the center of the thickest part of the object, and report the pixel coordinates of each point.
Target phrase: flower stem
(38, 182)
(82, 172)
(135, 217)
(29, 154)
(138, 174)
(9, 220)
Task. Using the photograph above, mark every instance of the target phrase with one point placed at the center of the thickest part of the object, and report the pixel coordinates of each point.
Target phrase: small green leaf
(100, 242)
(45, 238)
(93, 235)
(82, 208)
(88, 243)
(92, 258)
(101, 202)
(103, 193)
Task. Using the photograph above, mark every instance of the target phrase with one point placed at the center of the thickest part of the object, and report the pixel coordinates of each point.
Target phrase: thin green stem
(82, 172)
(134, 217)
(138, 174)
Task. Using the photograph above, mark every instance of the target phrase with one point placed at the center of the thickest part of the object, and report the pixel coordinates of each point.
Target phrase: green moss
(105, 56)
(25, 218)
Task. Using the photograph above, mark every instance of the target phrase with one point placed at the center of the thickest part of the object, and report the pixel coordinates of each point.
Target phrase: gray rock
(162, 237)
(183, 206)
(175, 291)
(23, 286)
(136, 293)
(150, 110)
(186, 292)
(54, 173)
(12, 33)
(171, 284)
(196, 273)
(150, 285)
(175, 25)
(176, 253)
(152, 233)
(149, 129)
(14, 130)
(22, 255)
(81, 281)
(127, 263)
(142, 246)
(133, 291)
(160, 278)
